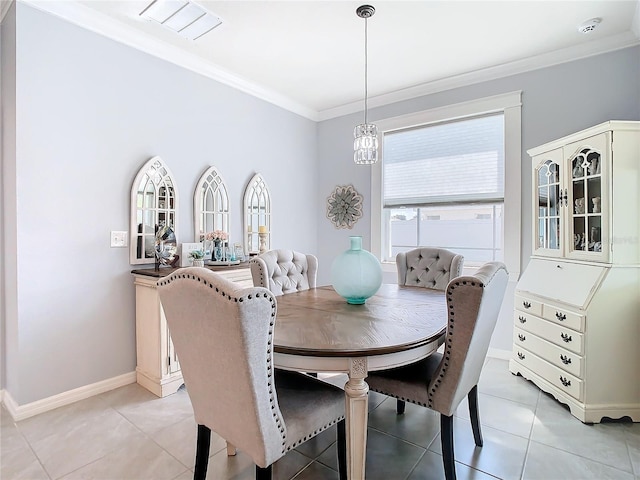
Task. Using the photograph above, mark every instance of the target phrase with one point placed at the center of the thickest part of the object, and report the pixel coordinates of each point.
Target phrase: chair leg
(342, 449)
(446, 436)
(400, 404)
(264, 473)
(475, 416)
(231, 449)
(202, 453)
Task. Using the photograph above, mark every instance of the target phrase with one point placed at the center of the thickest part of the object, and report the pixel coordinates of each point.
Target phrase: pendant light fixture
(365, 145)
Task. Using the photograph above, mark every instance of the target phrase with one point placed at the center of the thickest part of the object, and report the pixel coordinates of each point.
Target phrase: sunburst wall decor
(344, 206)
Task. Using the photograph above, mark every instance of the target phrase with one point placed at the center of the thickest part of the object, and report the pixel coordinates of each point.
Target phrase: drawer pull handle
(566, 360)
(526, 304)
(561, 316)
(521, 355)
(565, 338)
(521, 337)
(522, 319)
(565, 382)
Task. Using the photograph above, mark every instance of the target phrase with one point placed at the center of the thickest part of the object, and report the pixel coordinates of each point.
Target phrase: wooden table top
(319, 322)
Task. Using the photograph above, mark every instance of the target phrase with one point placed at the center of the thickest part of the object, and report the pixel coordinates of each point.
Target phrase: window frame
(510, 105)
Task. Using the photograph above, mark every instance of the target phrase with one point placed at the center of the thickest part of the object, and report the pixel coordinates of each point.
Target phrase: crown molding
(589, 49)
(99, 23)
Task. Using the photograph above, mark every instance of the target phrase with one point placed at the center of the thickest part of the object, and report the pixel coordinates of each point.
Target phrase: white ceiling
(308, 56)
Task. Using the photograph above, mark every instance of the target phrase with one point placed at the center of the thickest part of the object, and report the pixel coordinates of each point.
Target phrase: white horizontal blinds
(444, 163)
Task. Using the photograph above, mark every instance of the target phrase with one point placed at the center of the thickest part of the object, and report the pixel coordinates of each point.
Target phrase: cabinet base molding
(160, 387)
(586, 414)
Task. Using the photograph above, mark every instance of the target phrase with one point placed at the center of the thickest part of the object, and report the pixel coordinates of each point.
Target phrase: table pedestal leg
(357, 406)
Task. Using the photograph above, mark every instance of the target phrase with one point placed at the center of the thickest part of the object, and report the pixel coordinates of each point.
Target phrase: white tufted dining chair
(441, 381)
(284, 271)
(223, 335)
(428, 267)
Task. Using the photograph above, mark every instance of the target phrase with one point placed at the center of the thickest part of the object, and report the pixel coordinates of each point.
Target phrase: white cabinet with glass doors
(571, 200)
(576, 324)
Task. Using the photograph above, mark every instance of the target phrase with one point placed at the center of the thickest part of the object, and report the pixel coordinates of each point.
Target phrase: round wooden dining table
(316, 330)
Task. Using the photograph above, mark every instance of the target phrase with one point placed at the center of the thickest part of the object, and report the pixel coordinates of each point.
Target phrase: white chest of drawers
(585, 353)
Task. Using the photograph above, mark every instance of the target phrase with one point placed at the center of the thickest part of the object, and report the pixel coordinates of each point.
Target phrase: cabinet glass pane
(594, 187)
(587, 233)
(549, 198)
(595, 232)
(579, 234)
(586, 191)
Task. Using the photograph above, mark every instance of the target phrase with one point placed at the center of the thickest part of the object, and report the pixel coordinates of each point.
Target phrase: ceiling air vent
(184, 18)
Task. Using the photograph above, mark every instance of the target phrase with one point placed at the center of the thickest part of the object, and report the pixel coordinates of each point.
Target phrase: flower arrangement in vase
(217, 237)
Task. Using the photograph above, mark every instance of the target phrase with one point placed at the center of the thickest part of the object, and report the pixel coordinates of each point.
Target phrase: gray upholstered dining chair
(428, 267)
(441, 381)
(222, 335)
(284, 271)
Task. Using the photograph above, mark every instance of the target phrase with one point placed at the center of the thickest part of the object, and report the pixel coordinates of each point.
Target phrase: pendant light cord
(366, 68)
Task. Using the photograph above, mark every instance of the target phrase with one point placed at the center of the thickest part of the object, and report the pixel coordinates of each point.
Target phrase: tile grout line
(83, 465)
(32, 450)
(187, 468)
(526, 452)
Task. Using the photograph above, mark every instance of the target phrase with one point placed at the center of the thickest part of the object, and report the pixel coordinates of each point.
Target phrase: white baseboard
(498, 353)
(20, 412)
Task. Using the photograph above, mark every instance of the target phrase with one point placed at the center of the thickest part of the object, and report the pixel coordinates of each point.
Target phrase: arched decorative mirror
(257, 216)
(154, 203)
(210, 205)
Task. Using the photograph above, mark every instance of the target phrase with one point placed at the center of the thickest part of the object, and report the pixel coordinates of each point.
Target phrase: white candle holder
(262, 247)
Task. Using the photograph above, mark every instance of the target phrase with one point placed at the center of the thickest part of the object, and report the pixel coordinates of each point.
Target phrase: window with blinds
(443, 186)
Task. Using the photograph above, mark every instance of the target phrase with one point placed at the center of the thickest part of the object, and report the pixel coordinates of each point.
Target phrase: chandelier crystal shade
(365, 145)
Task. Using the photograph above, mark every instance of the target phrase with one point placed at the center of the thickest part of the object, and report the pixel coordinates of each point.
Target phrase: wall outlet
(119, 239)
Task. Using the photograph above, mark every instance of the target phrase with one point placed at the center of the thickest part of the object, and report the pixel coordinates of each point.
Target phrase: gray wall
(556, 101)
(91, 112)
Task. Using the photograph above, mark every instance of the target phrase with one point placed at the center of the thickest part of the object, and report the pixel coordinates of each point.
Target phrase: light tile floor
(129, 434)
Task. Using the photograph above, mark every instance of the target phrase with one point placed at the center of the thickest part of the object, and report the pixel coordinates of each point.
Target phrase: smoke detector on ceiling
(590, 25)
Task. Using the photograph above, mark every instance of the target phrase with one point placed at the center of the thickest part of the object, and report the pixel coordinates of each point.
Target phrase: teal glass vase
(356, 274)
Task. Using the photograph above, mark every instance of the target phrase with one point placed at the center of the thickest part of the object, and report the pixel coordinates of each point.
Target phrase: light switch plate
(119, 239)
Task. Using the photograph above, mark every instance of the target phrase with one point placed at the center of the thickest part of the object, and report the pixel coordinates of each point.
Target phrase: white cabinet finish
(158, 369)
(577, 320)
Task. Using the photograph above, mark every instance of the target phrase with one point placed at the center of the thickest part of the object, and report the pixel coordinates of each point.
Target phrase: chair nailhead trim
(321, 429)
(276, 415)
(450, 337)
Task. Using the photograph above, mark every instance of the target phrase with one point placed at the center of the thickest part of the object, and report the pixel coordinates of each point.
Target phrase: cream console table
(158, 369)
(577, 304)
